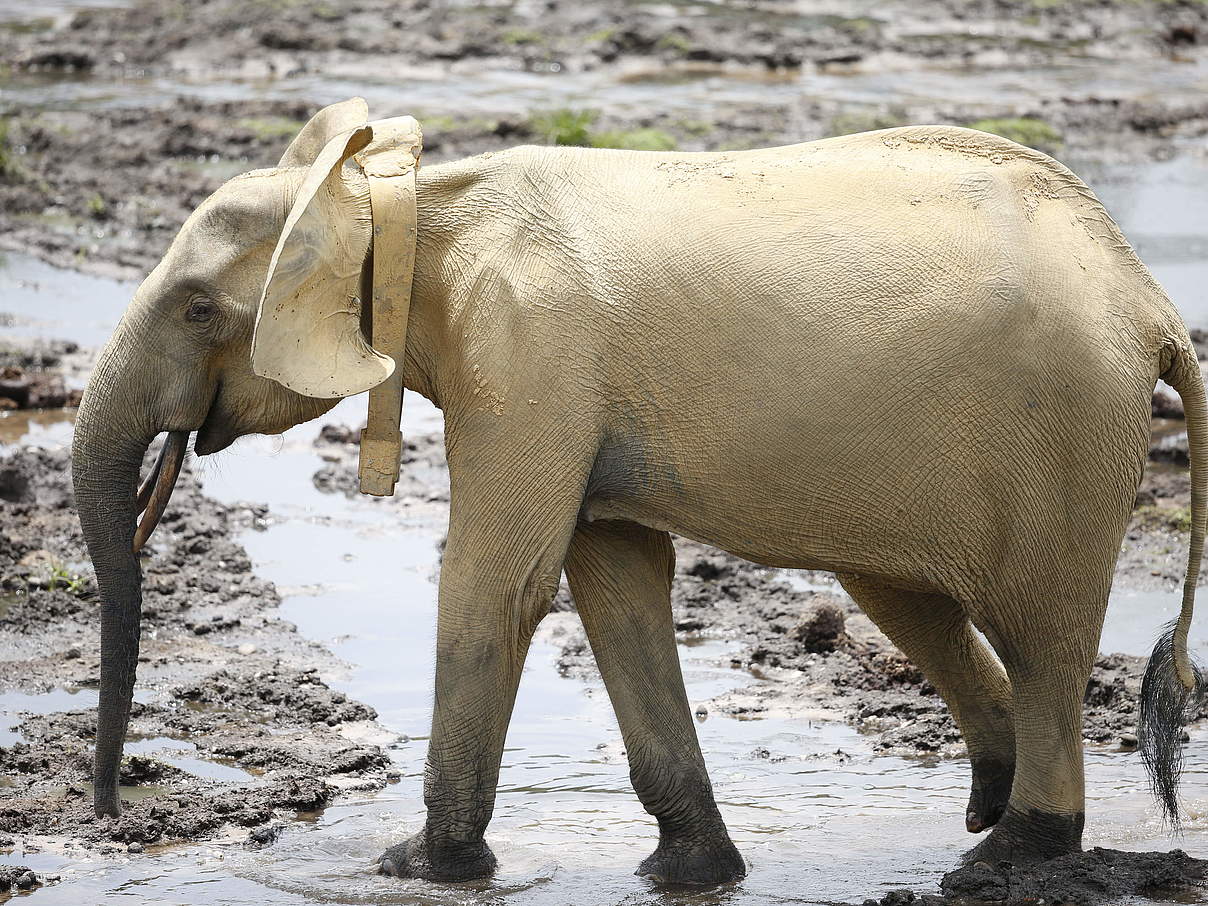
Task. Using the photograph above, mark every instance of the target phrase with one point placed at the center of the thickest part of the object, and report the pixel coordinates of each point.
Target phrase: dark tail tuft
(1166, 706)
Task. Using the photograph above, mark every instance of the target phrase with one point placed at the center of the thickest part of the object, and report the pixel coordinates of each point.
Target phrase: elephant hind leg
(1048, 647)
(935, 633)
(620, 576)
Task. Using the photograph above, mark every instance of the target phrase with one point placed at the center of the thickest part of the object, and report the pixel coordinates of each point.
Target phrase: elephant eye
(201, 310)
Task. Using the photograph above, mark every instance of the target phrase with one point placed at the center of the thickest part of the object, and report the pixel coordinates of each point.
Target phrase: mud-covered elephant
(921, 358)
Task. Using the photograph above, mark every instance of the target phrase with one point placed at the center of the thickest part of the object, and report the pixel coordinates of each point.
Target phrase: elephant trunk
(112, 434)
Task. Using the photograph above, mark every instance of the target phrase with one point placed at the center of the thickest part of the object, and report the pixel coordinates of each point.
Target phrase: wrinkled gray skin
(920, 358)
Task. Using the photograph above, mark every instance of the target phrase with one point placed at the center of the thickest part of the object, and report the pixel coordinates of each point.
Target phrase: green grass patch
(634, 140)
(674, 42)
(575, 128)
(97, 209)
(564, 127)
(519, 37)
(1164, 518)
(6, 150)
(270, 128)
(853, 121)
(1035, 133)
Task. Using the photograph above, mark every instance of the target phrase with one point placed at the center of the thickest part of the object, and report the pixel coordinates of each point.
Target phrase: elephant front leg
(620, 575)
(476, 681)
(494, 589)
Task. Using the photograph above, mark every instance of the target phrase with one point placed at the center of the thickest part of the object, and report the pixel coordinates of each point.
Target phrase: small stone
(134, 848)
(72, 653)
(701, 712)
(247, 648)
(27, 880)
(1128, 740)
(393, 776)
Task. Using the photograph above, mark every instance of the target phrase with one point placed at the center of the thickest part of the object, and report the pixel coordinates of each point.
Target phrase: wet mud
(233, 730)
(35, 374)
(158, 37)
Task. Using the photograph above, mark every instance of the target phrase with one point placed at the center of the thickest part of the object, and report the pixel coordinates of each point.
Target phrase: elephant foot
(681, 860)
(988, 798)
(1025, 838)
(450, 861)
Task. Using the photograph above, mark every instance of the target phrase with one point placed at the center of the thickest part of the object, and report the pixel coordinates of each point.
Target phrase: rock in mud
(16, 876)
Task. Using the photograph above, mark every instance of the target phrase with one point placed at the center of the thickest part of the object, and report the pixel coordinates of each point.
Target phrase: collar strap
(390, 161)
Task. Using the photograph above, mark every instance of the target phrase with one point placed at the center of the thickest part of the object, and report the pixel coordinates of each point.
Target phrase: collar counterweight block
(390, 163)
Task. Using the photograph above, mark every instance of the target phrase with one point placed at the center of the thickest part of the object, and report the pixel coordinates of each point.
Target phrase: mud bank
(233, 730)
(260, 39)
(153, 156)
(1093, 877)
(35, 375)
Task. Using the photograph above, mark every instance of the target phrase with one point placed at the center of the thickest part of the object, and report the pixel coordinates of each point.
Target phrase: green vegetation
(519, 37)
(852, 121)
(8, 166)
(270, 128)
(1035, 133)
(60, 577)
(97, 209)
(29, 26)
(1164, 518)
(634, 140)
(574, 127)
(564, 127)
(675, 42)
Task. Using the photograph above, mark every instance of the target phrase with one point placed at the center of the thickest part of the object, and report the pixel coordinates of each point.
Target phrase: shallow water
(816, 815)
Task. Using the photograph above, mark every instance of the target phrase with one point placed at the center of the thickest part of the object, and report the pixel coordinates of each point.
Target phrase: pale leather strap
(390, 162)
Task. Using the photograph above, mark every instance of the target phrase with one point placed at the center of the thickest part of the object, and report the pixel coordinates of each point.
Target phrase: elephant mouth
(217, 431)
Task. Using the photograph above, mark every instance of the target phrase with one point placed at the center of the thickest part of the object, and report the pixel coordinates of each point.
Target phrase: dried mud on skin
(220, 675)
(811, 651)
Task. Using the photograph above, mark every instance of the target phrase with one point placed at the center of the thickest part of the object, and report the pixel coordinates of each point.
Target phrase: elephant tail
(1174, 687)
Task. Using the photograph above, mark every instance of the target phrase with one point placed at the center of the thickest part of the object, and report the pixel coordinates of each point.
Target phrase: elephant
(921, 358)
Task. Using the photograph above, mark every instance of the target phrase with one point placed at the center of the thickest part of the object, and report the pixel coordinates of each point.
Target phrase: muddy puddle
(819, 816)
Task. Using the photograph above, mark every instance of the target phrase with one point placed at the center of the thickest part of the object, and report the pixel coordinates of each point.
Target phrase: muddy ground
(226, 686)
(258, 38)
(105, 188)
(260, 738)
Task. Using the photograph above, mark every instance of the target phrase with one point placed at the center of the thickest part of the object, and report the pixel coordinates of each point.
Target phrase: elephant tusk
(164, 475)
(148, 484)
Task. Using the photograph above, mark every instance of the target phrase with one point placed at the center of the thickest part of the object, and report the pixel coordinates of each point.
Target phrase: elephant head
(249, 324)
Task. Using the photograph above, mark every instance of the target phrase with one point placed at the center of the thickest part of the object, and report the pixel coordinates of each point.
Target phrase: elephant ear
(322, 128)
(308, 329)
